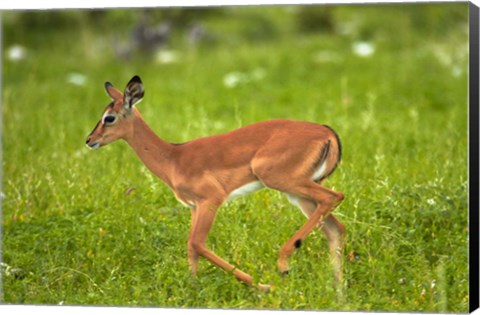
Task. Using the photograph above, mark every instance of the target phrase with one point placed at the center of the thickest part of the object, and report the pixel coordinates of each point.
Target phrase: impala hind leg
(334, 231)
(204, 217)
(325, 200)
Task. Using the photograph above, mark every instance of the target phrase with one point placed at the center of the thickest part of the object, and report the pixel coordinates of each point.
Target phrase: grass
(72, 235)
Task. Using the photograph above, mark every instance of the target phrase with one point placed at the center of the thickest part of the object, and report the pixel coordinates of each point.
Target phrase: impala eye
(109, 119)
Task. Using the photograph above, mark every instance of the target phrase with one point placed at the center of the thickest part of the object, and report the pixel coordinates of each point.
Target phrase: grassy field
(392, 85)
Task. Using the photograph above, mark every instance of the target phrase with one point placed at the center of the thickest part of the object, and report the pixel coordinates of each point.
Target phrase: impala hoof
(264, 287)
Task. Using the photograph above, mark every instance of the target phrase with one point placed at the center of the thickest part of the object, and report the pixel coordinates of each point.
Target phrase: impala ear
(133, 92)
(114, 93)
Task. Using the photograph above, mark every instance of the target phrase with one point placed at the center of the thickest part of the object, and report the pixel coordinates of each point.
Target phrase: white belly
(245, 189)
(240, 191)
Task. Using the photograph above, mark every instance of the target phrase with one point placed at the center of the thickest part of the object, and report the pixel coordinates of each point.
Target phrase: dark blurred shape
(257, 27)
(147, 36)
(150, 38)
(315, 18)
(49, 19)
(196, 34)
(154, 30)
(431, 18)
(184, 18)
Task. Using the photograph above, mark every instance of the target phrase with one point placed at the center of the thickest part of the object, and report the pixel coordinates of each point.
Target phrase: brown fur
(281, 154)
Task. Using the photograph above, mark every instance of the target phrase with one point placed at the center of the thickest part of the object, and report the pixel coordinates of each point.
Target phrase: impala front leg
(204, 216)
(192, 253)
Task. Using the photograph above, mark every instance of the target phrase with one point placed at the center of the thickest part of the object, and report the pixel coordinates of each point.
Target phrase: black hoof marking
(298, 243)
(284, 273)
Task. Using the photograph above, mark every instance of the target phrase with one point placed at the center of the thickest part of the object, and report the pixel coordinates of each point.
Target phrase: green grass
(78, 238)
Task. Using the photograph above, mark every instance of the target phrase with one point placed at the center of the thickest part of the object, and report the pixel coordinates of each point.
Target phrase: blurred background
(125, 32)
(169, 35)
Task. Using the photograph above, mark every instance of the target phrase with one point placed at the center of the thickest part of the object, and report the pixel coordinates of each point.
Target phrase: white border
(87, 4)
(90, 4)
(90, 310)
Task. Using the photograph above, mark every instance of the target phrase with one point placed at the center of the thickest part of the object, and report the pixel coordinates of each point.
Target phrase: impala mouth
(94, 146)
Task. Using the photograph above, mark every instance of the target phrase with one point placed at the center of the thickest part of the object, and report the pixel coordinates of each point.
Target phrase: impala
(290, 156)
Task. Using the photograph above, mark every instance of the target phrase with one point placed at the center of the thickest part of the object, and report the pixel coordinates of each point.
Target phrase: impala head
(116, 121)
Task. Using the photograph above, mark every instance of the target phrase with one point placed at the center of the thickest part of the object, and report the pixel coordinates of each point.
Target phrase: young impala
(290, 156)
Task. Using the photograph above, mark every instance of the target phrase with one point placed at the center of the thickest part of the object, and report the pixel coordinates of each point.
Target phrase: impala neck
(154, 152)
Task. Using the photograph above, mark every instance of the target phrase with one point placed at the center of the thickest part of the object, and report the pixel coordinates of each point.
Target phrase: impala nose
(94, 145)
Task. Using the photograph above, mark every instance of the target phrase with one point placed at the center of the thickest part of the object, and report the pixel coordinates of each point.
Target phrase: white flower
(16, 53)
(363, 49)
(232, 79)
(76, 78)
(167, 56)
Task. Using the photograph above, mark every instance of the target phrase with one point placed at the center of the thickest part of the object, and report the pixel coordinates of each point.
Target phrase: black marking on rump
(322, 157)
(339, 143)
(298, 243)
